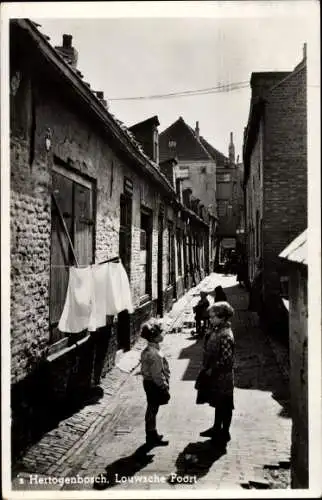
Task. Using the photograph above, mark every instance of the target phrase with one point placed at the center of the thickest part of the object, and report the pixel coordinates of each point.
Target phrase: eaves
(251, 133)
(119, 133)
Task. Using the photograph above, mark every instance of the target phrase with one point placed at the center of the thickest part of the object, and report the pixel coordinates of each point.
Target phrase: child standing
(156, 376)
(200, 311)
(216, 386)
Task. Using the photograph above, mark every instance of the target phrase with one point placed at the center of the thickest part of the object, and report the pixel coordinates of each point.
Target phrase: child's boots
(155, 439)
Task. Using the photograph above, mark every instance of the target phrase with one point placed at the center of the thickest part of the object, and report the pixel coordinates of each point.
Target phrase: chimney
(197, 130)
(67, 51)
(231, 150)
(67, 41)
(304, 51)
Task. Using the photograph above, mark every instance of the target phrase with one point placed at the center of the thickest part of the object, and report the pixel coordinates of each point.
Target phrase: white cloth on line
(93, 293)
(78, 302)
(118, 296)
(99, 289)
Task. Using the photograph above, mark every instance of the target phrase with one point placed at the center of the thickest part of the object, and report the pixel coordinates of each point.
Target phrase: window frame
(148, 223)
(77, 180)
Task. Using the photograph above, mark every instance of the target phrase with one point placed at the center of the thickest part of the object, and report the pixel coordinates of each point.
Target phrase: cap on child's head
(151, 329)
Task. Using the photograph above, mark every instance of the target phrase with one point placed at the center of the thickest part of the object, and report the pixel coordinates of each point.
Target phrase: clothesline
(113, 259)
(93, 294)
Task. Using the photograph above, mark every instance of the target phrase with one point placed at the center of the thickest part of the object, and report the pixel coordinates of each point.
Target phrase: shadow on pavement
(255, 363)
(195, 460)
(124, 467)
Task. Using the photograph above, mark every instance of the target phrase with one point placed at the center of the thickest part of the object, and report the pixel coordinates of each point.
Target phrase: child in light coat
(156, 377)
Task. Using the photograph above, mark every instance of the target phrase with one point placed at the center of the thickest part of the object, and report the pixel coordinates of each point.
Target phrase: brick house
(196, 173)
(275, 175)
(82, 190)
(229, 197)
(295, 259)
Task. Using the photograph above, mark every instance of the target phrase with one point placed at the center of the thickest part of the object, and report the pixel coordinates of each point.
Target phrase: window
(125, 231)
(170, 256)
(145, 252)
(75, 204)
(179, 251)
(172, 144)
(223, 177)
(222, 208)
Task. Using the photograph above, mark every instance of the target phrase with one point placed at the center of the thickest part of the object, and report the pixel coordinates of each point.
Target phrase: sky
(200, 48)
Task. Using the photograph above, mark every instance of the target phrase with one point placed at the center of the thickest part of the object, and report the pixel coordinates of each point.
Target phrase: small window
(223, 178)
(172, 144)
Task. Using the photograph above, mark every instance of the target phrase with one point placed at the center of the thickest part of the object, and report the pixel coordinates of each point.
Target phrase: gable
(180, 141)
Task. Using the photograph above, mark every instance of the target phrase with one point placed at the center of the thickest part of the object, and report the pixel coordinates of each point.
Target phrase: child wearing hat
(156, 376)
(215, 383)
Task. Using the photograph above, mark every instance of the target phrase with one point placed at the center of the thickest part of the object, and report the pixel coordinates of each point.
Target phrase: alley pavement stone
(106, 438)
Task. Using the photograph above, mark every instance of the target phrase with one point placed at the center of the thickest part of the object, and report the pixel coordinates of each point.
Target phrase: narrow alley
(257, 456)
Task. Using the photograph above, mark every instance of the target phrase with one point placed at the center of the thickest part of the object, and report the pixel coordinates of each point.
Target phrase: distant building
(195, 172)
(229, 200)
(275, 171)
(146, 132)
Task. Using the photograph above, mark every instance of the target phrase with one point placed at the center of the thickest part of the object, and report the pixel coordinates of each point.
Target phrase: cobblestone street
(106, 437)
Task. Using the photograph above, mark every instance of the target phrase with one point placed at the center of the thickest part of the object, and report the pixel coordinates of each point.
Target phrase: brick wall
(285, 163)
(254, 201)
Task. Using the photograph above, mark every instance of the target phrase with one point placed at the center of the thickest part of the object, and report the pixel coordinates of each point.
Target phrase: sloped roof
(220, 159)
(188, 147)
(94, 102)
(153, 120)
(296, 251)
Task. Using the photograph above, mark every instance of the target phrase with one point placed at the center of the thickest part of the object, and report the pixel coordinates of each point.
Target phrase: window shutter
(83, 240)
(60, 258)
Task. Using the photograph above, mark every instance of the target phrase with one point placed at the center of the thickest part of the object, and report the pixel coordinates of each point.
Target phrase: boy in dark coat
(200, 311)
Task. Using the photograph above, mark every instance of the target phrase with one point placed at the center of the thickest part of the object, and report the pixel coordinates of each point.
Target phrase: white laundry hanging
(93, 293)
(99, 287)
(118, 289)
(78, 303)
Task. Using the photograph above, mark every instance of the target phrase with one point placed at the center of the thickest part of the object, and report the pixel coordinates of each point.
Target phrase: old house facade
(295, 258)
(275, 171)
(83, 190)
(229, 199)
(195, 173)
